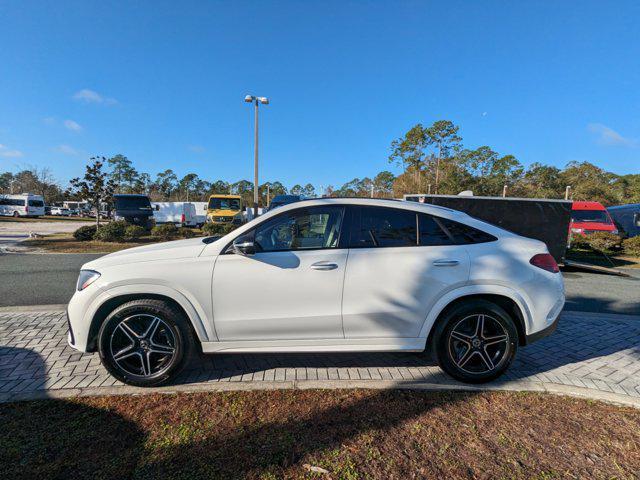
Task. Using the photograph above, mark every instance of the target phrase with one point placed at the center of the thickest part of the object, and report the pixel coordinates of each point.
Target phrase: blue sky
(163, 83)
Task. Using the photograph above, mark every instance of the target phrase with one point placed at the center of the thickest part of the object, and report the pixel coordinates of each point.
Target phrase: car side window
(383, 227)
(464, 234)
(431, 232)
(302, 229)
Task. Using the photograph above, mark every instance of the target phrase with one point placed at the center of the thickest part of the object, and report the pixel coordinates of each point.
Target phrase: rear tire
(16, 214)
(475, 342)
(145, 342)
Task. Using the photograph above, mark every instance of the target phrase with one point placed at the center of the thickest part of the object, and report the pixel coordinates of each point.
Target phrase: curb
(35, 308)
(553, 389)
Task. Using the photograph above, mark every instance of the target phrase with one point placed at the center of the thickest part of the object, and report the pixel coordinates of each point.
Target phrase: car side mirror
(244, 247)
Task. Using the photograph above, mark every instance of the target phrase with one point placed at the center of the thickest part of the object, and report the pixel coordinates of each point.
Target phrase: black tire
(470, 358)
(16, 214)
(172, 334)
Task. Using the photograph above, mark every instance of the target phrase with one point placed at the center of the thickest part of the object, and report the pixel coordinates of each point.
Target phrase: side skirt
(323, 345)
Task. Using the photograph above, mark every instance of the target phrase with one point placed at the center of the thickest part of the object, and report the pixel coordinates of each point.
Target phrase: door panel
(284, 295)
(388, 291)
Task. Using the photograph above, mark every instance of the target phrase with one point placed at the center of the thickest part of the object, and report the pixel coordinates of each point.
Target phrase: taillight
(26, 209)
(183, 218)
(545, 261)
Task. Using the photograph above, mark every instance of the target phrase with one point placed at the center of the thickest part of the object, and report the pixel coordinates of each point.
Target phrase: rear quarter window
(464, 234)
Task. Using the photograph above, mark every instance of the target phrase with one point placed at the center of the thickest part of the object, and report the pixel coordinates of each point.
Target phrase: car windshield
(132, 203)
(591, 216)
(224, 203)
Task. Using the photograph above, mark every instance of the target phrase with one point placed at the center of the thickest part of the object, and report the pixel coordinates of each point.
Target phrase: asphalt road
(29, 279)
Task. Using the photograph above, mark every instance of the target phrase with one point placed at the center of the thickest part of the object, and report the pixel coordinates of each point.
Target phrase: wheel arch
(514, 306)
(113, 302)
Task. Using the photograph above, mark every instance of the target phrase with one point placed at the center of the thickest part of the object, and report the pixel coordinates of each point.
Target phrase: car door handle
(446, 263)
(324, 266)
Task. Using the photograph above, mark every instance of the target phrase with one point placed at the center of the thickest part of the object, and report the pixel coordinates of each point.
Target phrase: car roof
(378, 202)
(622, 207)
(580, 205)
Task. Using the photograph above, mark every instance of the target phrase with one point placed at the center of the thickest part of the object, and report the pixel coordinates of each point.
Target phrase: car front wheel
(145, 342)
(475, 342)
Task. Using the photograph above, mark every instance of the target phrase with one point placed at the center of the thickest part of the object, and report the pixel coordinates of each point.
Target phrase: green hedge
(166, 231)
(112, 231)
(631, 246)
(85, 234)
(133, 232)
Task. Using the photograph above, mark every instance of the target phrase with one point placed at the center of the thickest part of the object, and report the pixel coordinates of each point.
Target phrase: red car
(589, 217)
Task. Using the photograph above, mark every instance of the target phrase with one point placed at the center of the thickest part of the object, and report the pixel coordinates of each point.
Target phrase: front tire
(475, 342)
(145, 342)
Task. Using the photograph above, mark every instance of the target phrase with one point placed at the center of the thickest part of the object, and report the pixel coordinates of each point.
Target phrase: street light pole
(256, 101)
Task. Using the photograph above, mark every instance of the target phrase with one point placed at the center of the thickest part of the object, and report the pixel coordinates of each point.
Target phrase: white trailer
(201, 212)
(181, 214)
(22, 205)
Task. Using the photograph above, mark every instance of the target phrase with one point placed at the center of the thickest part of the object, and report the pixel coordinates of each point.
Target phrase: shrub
(186, 232)
(112, 231)
(86, 233)
(631, 246)
(133, 232)
(213, 229)
(603, 242)
(166, 231)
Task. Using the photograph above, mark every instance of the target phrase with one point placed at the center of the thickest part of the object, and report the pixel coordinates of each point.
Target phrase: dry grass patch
(65, 243)
(46, 218)
(346, 434)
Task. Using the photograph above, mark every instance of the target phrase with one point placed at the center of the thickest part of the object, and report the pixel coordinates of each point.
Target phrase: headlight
(615, 232)
(86, 278)
(576, 230)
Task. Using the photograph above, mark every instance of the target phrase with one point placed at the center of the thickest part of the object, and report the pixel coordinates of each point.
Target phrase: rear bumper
(545, 332)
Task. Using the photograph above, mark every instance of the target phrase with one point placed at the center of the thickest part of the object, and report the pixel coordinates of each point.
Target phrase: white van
(182, 214)
(201, 212)
(23, 205)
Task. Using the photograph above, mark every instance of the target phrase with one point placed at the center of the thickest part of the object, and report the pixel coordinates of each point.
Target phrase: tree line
(433, 159)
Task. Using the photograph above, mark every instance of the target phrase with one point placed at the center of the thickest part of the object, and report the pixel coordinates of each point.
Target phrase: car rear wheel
(16, 214)
(145, 342)
(475, 342)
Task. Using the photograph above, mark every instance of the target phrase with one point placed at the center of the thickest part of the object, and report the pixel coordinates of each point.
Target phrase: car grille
(222, 219)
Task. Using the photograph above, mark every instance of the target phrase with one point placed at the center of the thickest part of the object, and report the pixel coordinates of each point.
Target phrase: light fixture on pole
(256, 101)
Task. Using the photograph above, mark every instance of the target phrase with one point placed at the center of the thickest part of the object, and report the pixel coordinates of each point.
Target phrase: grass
(46, 218)
(65, 243)
(320, 434)
(596, 258)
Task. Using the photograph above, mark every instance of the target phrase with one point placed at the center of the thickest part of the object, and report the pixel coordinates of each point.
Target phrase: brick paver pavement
(600, 352)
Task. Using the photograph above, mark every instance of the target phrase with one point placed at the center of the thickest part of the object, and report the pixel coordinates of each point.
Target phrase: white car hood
(189, 248)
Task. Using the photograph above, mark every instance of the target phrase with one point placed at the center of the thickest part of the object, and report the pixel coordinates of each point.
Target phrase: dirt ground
(322, 434)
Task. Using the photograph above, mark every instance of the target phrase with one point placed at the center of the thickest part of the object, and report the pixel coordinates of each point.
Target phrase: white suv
(322, 276)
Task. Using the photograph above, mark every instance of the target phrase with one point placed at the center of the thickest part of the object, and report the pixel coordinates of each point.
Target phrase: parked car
(280, 200)
(22, 205)
(324, 275)
(589, 217)
(60, 211)
(626, 218)
(133, 209)
(47, 209)
(181, 214)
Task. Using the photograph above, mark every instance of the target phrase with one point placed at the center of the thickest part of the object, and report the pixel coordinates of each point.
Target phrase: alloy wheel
(478, 344)
(142, 345)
